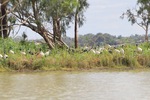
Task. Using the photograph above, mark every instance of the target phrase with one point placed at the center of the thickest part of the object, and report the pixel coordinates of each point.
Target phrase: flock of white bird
(111, 49)
(4, 56)
(22, 52)
(108, 48)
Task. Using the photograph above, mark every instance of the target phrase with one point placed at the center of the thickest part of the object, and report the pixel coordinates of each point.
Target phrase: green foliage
(80, 9)
(61, 59)
(58, 8)
(100, 39)
(140, 15)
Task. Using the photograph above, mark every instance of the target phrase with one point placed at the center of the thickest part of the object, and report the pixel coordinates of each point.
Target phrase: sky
(103, 16)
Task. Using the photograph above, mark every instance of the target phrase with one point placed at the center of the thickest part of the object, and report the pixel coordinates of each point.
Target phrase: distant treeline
(101, 39)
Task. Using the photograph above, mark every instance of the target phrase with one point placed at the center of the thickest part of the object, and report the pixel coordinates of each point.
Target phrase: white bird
(1, 56)
(36, 43)
(97, 52)
(93, 51)
(122, 51)
(22, 52)
(41, 53)
(138, 49)
(11, 51)
(47, 53)
(117, 51)
(102, 49)
(5, 56)
(86, 49)
(109, 46)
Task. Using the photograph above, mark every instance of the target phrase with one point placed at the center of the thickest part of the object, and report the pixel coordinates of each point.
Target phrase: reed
(61, 59)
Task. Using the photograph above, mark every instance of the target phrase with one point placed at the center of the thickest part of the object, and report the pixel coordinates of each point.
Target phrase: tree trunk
(1, 29)
(4, 25)
(54, 30)
(59, 29)
(76, 30)
(51, 44)
(49, 40)
(47, 36)
(146, 33)
(41, 30)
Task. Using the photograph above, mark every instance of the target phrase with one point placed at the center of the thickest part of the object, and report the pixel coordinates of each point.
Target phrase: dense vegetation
(48, 18)
(38, 14)
(64, 59)
(43, 15)
(101, 39)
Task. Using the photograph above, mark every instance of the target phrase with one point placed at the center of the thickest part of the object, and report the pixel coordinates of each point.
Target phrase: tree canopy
(35, 13)
(140, 15)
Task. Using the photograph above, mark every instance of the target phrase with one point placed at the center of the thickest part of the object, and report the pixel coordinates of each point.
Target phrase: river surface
(75, 86)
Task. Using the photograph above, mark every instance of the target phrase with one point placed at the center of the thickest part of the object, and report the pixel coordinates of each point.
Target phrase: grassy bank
(64, 60)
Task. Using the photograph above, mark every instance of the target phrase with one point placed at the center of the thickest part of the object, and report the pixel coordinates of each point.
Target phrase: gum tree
(59, 14)
(140, 16)
(79, 17)
(34, 13)
(64, 12)
(3, 19)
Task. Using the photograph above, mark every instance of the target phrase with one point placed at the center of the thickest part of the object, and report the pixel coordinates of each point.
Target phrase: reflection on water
(75, 86)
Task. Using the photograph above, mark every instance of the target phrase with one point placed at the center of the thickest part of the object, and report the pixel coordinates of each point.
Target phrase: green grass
(63, 60)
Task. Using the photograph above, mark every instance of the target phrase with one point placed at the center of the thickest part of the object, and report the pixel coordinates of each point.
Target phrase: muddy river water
(75, 86)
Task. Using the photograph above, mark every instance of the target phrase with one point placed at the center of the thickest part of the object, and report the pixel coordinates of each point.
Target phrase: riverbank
(102, 69)
(26, 57)
(64, 61)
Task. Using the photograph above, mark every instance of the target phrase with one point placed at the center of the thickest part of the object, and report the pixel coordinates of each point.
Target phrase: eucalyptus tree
(79, 17)
(59, 13)
(140, 15)
(62, 12)
(34, 13)
(3, 19)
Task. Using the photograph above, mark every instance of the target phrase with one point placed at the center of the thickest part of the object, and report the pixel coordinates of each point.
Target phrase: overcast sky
(104, 16)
